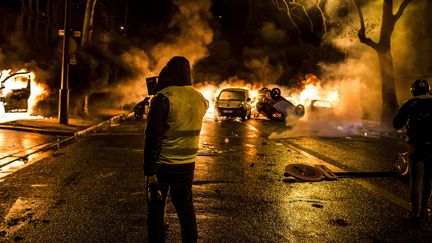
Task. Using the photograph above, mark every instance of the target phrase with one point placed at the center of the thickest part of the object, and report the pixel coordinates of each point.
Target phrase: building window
(43, 7)
(25, 23)
(34, 6)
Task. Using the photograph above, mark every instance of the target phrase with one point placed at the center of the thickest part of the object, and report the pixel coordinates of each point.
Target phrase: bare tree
(383, 49)
(88, 22)
(299, 12)
(85, 40)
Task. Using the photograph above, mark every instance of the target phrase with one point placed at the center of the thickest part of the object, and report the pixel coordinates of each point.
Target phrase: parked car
(275, 107)
(233, 102)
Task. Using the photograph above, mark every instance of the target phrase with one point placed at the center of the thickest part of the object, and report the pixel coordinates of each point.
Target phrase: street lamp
(64, 86)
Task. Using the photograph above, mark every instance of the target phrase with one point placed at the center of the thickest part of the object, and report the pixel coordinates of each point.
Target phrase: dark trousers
(420, 178)
(178, 182)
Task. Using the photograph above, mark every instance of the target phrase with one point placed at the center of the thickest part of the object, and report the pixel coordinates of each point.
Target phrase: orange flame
(312, 90)
(37, 91)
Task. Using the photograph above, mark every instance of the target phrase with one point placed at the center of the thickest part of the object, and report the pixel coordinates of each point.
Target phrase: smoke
(357, 78)
(411, 45)
(271, 34)
(135, 88)
(194, 33)
(17, 55)
(188, 34)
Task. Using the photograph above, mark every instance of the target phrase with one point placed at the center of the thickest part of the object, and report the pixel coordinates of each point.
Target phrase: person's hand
(153, 192)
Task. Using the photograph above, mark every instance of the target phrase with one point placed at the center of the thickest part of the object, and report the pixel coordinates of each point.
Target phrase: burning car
(271, 104)
(233, 102)
(321, 107)
(15, 99)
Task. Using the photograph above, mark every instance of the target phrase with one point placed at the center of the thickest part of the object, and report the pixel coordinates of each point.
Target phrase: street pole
(64, 86)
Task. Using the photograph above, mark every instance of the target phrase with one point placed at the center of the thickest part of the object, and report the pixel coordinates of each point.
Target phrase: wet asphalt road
(16, 144)
(93, 190)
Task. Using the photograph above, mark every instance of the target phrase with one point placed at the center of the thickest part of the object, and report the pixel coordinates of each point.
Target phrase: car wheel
(275, 93)
(244, 117)
(300, 110)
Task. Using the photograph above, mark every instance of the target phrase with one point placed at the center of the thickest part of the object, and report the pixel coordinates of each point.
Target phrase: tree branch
(324, 26)
(362, 31)
(401, 9)
(306, 14)
(291, 18)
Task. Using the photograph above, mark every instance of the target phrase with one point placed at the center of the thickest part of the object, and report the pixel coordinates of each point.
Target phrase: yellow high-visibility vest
(186, 111)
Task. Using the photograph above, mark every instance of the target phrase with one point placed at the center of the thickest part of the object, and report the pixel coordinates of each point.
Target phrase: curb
(37, 130)
(112, 120)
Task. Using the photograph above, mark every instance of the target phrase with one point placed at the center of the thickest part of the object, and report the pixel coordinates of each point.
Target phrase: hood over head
(176, 72)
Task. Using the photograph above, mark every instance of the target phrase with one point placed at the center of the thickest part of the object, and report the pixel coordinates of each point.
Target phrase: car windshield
(232, 95)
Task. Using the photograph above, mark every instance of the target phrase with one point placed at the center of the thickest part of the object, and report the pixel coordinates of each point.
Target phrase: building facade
(39, 21)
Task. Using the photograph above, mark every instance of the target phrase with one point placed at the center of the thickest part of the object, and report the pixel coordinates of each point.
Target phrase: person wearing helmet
(416, 115)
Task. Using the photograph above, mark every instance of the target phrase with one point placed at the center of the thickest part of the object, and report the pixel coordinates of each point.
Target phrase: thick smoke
(188, 35)
(411, 45)
(358, 76)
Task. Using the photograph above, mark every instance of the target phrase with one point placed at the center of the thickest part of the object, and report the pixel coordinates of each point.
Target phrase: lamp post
(64, 85)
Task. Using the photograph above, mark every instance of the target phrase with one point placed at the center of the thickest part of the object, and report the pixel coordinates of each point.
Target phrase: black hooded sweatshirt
(176, 72)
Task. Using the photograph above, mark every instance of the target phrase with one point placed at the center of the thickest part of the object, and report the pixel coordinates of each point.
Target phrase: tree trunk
(389, 99)
(383, 50)
(88, 22)
(85, 40)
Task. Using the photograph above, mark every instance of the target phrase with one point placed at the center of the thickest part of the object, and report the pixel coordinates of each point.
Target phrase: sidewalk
(77, 126)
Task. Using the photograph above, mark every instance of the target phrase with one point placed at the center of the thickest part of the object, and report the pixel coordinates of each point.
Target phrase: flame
(312, 90)
(21, 80)
(210, 92)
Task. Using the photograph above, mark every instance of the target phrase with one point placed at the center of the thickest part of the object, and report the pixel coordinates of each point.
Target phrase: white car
(233, 102)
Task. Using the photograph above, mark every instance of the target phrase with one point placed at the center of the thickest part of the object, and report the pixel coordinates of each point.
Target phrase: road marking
(387, 195)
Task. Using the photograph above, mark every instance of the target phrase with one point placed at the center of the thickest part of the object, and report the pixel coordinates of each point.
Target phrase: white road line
(387, 195)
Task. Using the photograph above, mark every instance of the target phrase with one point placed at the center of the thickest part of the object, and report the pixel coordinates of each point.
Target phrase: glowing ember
(19, 91)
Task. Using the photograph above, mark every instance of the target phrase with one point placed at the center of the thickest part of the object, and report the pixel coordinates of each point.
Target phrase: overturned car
(272, 105)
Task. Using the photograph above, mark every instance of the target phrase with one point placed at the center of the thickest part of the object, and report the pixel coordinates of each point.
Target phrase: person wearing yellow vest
(171, 145)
